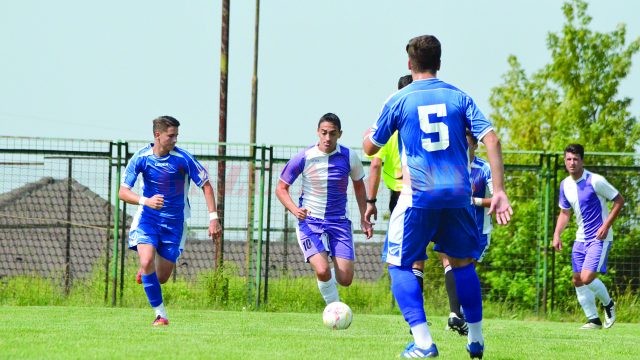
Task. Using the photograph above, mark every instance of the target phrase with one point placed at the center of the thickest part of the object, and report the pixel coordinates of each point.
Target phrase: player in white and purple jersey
(159, 225)
(431, 117)
(586, 194)
(324, 229)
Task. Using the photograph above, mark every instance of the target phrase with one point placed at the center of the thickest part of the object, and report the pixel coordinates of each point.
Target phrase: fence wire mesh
(58, 207)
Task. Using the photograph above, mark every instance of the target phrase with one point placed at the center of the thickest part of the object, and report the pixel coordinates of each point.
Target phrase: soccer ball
(337, 316)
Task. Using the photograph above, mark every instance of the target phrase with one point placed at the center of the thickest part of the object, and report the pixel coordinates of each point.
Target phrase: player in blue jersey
(586, 194)
(324, 229)
(482, 190)
(159, 225)
(431, 117)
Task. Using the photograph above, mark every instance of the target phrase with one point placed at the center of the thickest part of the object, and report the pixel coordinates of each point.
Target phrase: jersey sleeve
(487, 178)
(603, 187)
(488, 183)
(293, 168)
(479, 124)
(198, 174)
(386, 124)
(563, 203)
(357, 170)
(134, 167)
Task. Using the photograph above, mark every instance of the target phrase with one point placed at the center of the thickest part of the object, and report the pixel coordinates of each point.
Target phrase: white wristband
(213, 216)
(477, 201)
(142, 200)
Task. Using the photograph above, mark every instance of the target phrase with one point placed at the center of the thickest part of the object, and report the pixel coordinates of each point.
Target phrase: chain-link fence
(59, 221)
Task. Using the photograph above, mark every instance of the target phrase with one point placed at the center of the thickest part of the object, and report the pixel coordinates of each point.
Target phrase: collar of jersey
(337, 150)
(582, 177)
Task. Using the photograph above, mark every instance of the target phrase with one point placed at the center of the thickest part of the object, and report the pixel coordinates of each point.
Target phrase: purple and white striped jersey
(325, 179)
(587, 197)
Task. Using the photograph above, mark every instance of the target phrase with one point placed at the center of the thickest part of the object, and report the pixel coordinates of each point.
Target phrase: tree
(575, 97)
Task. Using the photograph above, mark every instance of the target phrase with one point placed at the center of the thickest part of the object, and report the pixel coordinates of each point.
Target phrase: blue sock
(152, 287)
(469, 293)
(406, 290)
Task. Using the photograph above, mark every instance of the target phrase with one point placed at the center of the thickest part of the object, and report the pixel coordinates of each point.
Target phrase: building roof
(37, 226)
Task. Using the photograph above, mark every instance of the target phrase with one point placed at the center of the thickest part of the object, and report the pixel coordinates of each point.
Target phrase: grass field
(118, 333)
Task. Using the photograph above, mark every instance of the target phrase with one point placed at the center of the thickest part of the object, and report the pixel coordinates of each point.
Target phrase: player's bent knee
(163, 278)
(323, 274)
(147, 267)
(345, 282)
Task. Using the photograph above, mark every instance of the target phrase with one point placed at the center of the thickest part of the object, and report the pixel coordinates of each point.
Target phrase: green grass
(35, 332)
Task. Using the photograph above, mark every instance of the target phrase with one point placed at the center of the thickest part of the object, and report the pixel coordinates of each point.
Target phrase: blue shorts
(590, 255)
(333, 236)
(485, 240)
(167, 237)
(454, 232)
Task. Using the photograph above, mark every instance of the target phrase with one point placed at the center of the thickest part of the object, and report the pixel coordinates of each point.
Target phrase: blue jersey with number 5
(431, 117)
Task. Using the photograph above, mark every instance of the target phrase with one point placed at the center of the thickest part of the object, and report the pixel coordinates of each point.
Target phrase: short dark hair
(332, 118)
(164, 122)
(424, 53)
(404, 81)
(575, 149)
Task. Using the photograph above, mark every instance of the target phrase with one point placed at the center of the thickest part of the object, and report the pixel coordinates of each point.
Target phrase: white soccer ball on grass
(337, 316)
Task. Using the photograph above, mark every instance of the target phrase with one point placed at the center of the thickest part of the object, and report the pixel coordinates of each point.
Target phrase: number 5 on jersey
(439, 128)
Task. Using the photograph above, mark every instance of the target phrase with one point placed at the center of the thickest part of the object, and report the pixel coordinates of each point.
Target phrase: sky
(104, 69)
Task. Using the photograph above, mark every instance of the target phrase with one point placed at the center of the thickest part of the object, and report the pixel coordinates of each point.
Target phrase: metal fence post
(260, 228)
(116, 226)
(268, 227)
(250, 218)
(546, 224)
(67, 263)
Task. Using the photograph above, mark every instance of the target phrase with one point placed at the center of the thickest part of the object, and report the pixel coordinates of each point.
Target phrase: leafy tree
(575, 97)
(572, 99)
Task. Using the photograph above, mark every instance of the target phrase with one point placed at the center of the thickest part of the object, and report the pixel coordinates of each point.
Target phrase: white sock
(587, 300)
(600, 290)
(422, 336)
(160, 310)
(475, 333)
(329, 289)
